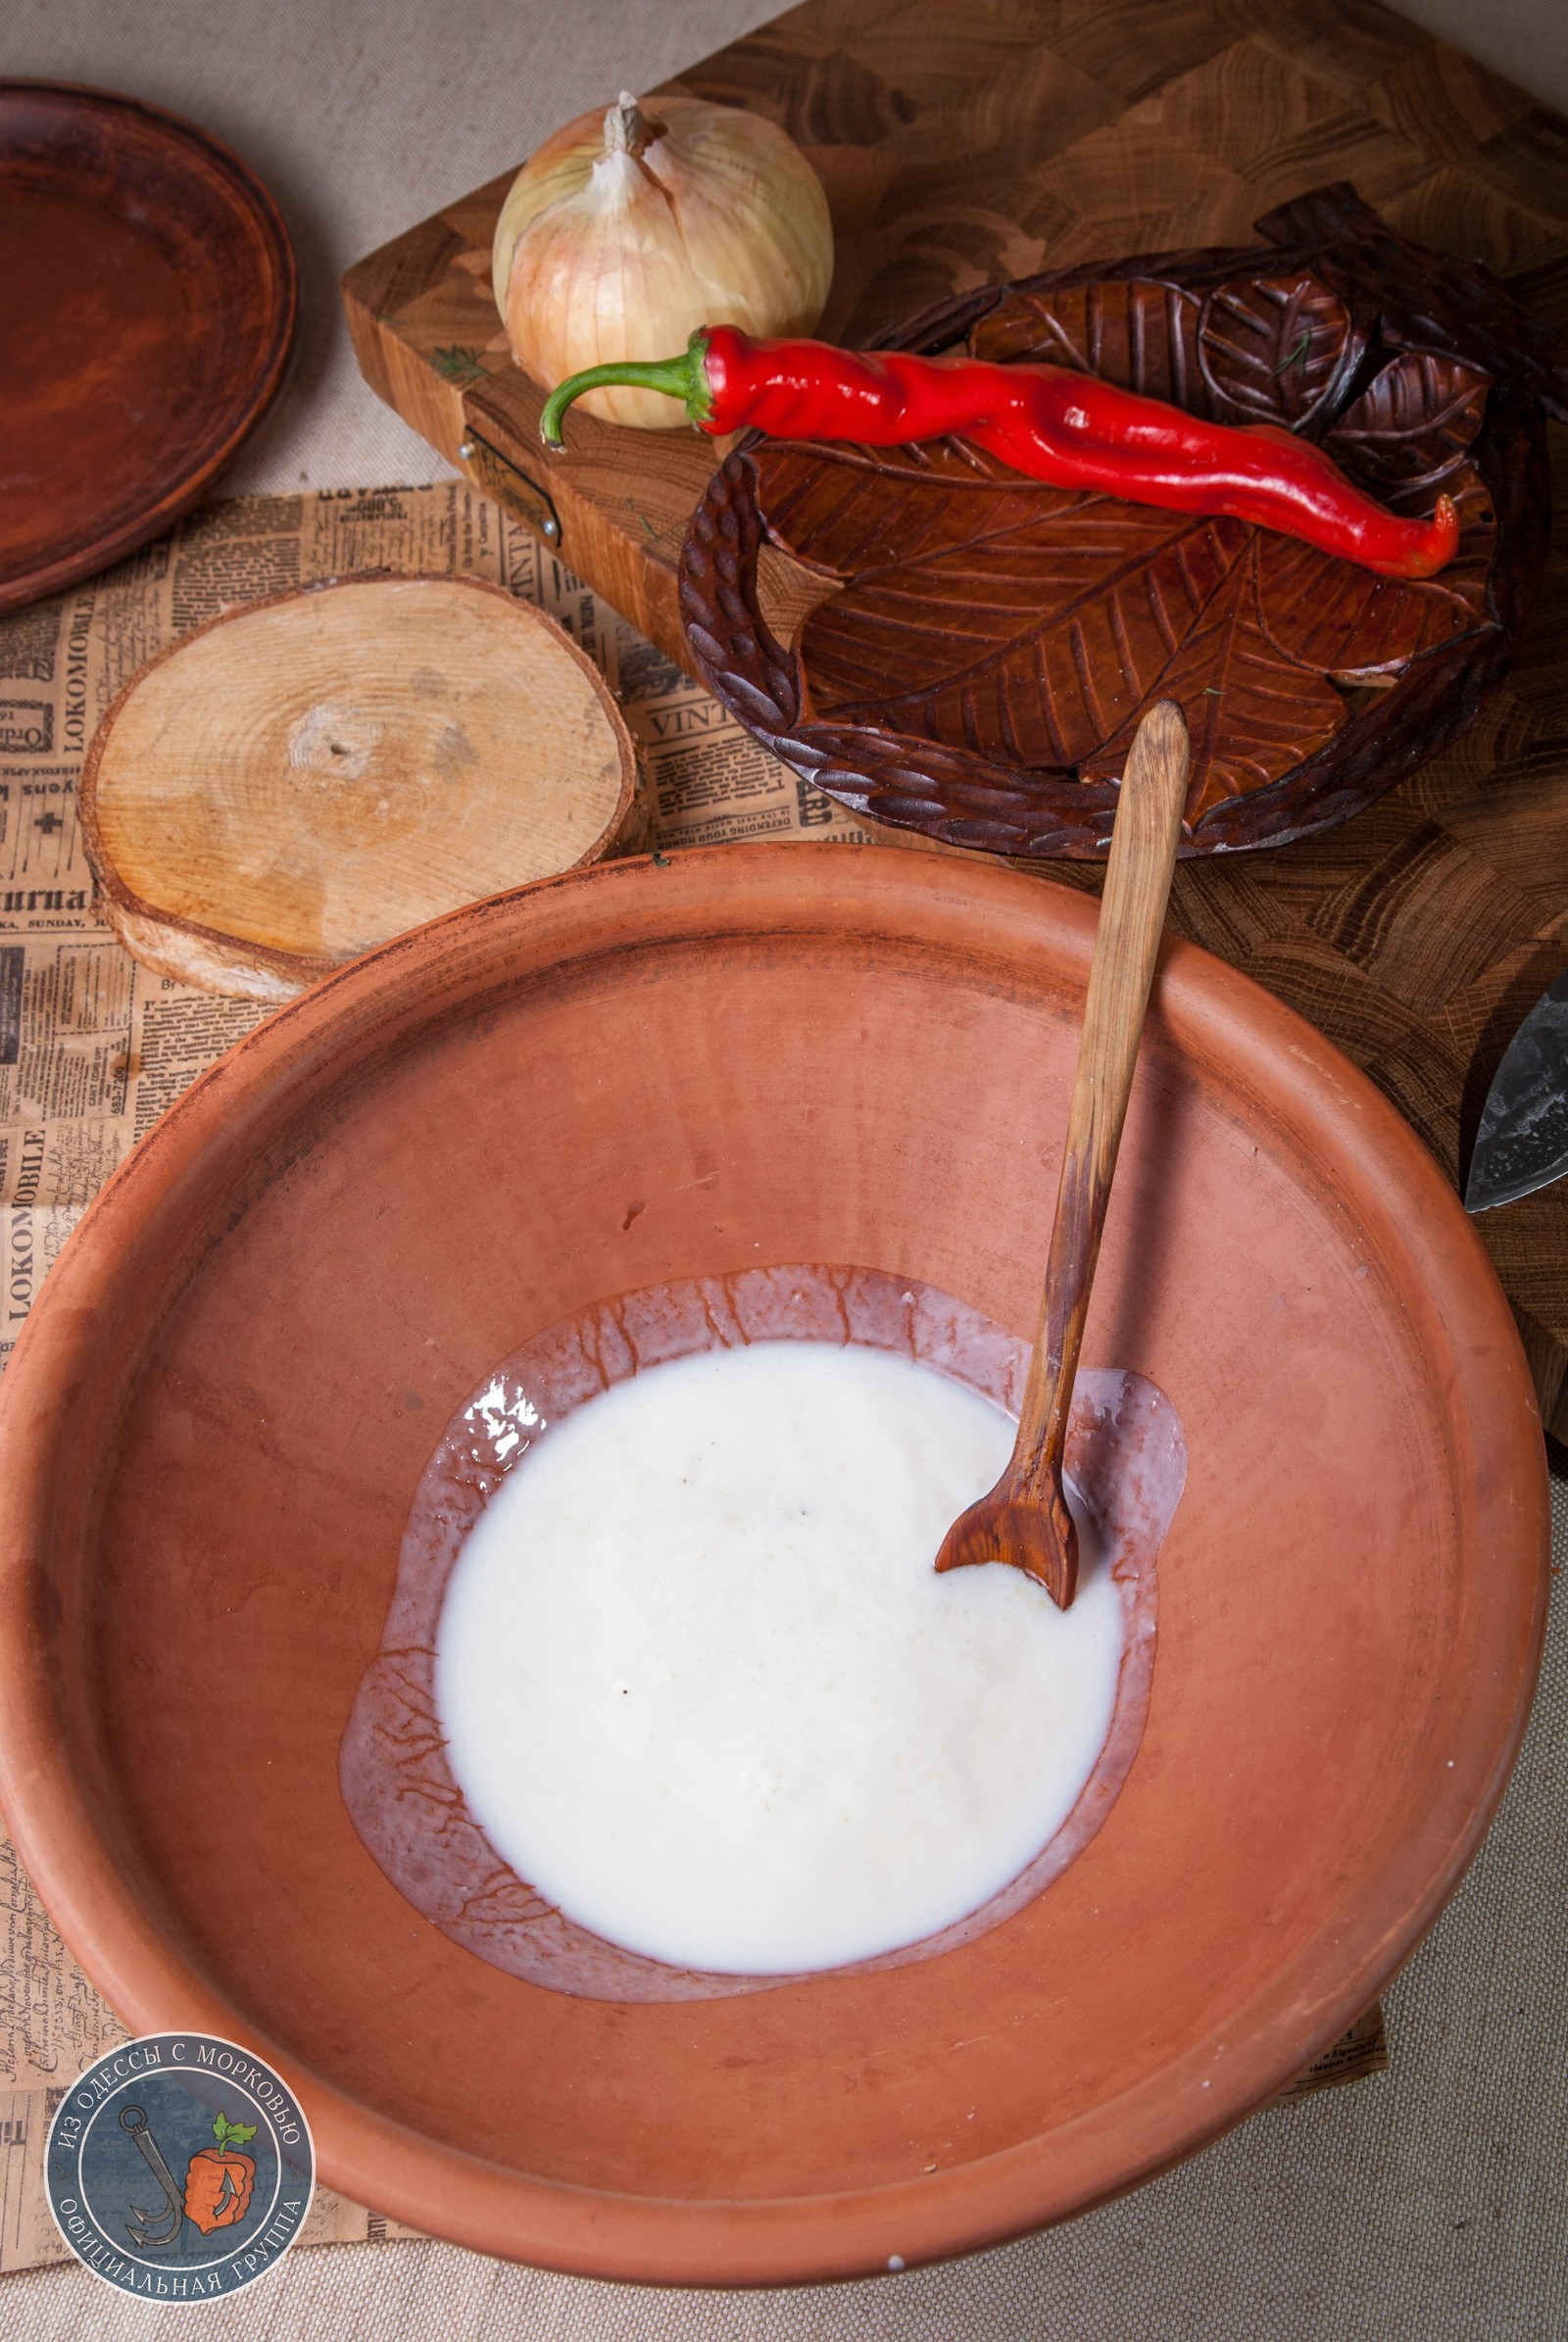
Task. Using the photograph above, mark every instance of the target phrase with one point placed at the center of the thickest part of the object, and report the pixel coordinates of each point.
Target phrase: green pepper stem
(684, 377)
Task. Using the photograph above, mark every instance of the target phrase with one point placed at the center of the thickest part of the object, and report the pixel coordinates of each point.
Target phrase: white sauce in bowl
(703, 1688)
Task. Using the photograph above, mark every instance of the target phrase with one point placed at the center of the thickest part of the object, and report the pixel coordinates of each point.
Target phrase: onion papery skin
(618, 243)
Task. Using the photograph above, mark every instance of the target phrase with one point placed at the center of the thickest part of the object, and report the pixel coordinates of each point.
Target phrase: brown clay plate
(147, 308)
(218, 1417)
(971, 651)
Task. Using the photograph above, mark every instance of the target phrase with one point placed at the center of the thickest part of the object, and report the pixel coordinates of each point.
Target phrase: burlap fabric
(1426, 2203)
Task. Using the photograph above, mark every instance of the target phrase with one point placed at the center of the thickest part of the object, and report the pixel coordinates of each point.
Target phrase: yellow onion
(629, 229)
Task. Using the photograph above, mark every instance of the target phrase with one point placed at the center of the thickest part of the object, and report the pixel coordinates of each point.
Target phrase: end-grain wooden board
(963, 146)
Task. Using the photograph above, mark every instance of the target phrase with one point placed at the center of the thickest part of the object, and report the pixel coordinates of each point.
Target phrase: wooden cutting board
(963, 146)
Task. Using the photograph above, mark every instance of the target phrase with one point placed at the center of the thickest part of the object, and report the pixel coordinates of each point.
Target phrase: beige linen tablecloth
(1426, 2203)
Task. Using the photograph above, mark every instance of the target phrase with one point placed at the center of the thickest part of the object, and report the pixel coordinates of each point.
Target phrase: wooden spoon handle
(1132, 915)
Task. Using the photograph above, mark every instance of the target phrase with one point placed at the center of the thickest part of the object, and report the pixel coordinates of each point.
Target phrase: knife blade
(1522, 1143)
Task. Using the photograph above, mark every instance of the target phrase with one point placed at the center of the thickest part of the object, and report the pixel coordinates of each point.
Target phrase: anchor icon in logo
(154, 2229)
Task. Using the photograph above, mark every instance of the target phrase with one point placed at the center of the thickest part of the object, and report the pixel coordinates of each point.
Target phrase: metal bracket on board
(511, 487)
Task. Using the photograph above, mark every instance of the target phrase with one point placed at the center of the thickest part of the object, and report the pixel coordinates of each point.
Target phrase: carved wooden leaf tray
(975, 648)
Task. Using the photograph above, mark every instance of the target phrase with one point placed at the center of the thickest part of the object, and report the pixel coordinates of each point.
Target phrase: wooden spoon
(1024, 1521)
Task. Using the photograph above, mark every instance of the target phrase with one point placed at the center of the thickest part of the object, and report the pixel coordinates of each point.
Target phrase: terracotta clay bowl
(223, 1401)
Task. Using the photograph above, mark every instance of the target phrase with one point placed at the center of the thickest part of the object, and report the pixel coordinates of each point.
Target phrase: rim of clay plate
(994, 914)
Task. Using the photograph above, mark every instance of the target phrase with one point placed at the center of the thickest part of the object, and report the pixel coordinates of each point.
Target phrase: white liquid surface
(703, 1688)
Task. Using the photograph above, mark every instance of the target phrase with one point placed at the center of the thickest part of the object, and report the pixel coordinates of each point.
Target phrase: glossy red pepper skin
(1069, 429)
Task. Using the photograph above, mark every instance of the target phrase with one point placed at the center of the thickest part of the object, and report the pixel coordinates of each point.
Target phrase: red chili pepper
(1069, 429)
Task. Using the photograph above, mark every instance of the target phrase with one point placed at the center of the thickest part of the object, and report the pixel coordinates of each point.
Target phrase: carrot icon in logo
(219, 2179)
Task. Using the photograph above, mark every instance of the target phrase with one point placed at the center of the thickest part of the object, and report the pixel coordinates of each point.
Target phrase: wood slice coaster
(148, 294)
(297, 781)
(969, 652)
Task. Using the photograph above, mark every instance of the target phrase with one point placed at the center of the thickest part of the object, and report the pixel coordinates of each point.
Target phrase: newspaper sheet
(93, 1047)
